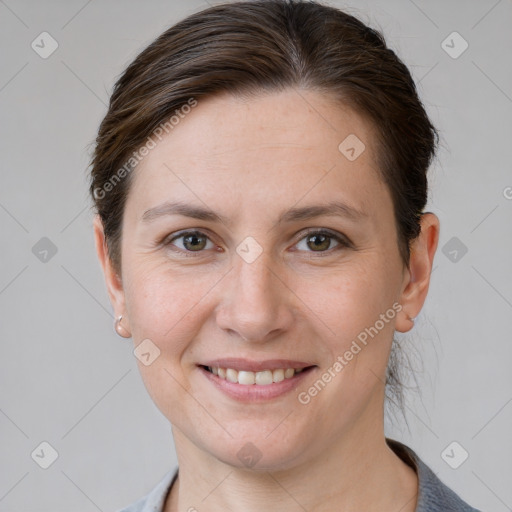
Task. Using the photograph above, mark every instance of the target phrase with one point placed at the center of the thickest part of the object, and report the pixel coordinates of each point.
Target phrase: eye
(192, 241)
(317, 241)
(320, 241)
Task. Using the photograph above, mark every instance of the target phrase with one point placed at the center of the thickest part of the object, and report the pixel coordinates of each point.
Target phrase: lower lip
(256, 392)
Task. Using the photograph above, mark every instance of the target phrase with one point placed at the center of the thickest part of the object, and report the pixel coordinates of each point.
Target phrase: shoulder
(155, 499)
(433, 494)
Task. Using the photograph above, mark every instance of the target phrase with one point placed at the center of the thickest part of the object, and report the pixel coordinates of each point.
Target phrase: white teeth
(288, 373)
(231, 375)
(278, 375)
(246, 377)
(263, 378)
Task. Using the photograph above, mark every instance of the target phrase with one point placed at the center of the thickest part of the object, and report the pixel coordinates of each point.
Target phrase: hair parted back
(250, 47)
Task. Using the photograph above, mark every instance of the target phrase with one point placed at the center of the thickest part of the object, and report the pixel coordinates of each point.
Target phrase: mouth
(250, 378)
(251, 382)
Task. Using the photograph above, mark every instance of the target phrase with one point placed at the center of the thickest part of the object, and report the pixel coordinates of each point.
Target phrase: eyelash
(342, 242)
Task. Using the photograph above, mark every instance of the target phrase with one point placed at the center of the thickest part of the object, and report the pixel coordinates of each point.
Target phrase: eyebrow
(333, 208)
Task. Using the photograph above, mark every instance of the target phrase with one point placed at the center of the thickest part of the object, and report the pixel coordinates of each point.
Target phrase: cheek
(356, 304)
(167, 305)
(349, 299)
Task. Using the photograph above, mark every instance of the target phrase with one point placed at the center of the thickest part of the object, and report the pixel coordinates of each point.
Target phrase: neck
(360, 472)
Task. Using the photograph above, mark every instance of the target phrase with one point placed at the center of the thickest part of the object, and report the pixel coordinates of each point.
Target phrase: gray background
(67, 379)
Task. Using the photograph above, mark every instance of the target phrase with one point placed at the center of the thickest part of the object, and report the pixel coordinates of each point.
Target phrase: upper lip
(255, 366)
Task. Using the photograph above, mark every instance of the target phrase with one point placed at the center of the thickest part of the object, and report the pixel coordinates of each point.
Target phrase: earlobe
(417, 277)
(120, 329)
(112, 280)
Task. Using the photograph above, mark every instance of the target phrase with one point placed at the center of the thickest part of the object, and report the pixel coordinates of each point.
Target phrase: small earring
(119, 329)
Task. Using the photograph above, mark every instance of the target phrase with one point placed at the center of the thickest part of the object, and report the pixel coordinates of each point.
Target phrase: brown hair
(248, 47)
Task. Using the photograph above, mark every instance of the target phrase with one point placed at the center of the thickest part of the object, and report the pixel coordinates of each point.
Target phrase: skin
(249, 160)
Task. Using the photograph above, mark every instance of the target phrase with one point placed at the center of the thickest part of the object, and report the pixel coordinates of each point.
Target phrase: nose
(256, 303)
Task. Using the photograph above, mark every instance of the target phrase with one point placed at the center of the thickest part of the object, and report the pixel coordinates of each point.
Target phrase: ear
(112, 279)
(417, 277)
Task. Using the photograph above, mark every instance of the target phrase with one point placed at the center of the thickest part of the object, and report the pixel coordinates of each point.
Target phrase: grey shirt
(434, 496)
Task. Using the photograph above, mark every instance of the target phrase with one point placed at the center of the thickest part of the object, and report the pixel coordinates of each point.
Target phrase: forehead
(272, 149)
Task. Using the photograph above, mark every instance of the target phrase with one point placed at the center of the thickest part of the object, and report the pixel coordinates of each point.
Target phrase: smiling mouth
(259, 378)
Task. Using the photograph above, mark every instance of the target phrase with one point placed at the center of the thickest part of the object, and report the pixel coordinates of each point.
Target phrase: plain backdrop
(66, 379)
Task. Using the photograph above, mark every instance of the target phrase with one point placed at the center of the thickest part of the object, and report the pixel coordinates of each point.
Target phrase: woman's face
(261, 289)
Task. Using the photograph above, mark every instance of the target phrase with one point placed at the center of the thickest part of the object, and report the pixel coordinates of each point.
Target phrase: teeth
(263, 378)
(231, 375)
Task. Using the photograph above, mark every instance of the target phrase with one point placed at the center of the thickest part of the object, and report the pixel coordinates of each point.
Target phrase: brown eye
(321, 242)
(192, 241)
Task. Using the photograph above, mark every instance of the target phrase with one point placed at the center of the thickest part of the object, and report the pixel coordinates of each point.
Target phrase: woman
(260, 181)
